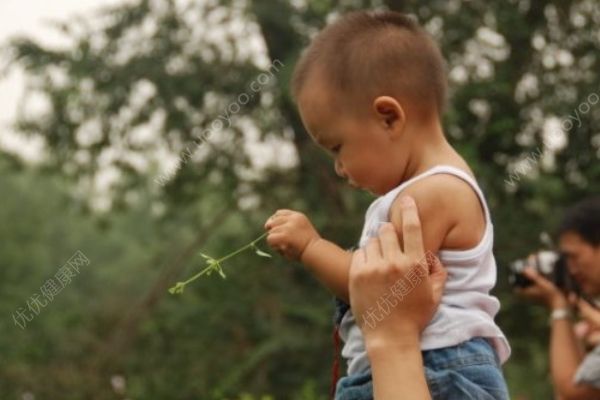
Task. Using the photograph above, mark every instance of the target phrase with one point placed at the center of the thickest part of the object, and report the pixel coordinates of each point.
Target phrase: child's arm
(450, 212)
(292, 234)
(331, 266)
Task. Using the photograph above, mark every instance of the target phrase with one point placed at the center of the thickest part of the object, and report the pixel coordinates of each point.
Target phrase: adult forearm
(397, 371)
(565, 354)
(330, 264)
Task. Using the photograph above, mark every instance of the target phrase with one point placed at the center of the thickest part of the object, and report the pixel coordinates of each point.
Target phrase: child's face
(360, 143)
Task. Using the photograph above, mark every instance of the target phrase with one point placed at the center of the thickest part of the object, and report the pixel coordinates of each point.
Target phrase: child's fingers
(275, 220)
(283, 212)
(276, 239)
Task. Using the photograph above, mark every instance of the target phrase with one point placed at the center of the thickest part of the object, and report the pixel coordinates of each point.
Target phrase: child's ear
(390, 113)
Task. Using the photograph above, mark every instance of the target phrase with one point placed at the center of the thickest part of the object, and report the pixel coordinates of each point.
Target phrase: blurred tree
(182, 109)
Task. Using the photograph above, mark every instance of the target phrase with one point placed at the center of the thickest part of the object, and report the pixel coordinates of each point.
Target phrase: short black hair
(584, 219)
(368, 54)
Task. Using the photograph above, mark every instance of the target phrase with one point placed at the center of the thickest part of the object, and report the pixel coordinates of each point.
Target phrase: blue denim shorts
(468, 371)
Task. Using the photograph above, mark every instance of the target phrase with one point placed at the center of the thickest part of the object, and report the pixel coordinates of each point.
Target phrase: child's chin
(356, 186)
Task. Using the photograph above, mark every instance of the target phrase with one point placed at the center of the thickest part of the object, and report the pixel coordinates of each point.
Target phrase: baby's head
(367, 84)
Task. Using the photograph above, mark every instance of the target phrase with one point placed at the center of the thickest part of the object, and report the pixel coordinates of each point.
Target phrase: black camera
(550, 264)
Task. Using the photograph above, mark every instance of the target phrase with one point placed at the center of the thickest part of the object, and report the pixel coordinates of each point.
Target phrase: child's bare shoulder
(452, 216)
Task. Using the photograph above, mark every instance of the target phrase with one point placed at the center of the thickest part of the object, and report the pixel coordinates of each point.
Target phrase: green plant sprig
(214, 265)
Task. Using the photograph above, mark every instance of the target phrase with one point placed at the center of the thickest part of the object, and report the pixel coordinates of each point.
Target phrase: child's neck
(428, 149)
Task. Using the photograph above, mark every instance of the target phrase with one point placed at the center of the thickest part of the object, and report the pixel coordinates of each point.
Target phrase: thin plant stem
(248, 246)
(215, 264)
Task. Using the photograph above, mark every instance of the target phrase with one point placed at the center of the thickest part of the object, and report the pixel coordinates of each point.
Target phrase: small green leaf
(262, 253)
(217, 267)
(177, 289)
(207, 257)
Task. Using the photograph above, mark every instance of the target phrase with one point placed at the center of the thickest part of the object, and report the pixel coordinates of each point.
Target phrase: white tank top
(466, 310)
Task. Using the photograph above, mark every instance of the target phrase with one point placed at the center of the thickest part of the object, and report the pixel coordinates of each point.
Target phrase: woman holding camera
(575, 374)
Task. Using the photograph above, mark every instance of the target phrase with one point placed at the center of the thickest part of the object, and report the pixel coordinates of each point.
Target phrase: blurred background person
(575, 372)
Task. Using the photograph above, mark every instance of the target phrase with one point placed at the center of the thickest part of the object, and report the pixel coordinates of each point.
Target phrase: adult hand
(394, 292)
(411, 284)
(542, 290)
(588, 312)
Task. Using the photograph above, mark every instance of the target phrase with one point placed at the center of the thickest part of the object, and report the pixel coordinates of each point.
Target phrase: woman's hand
(394, 292)
(543, 290)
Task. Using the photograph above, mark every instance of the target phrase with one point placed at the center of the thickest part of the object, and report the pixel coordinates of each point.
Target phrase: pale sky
(30, 17)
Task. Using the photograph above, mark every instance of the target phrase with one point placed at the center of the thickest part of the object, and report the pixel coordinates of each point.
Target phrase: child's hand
(290, 233)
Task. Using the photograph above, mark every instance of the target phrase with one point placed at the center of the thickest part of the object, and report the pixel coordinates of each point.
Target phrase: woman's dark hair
(584, 219)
